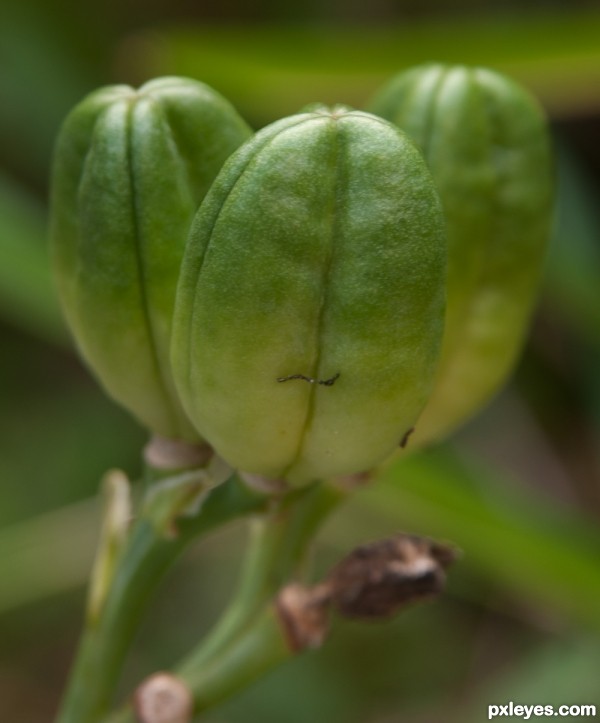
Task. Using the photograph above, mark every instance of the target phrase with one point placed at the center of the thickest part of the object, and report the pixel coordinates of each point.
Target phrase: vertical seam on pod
(137, 233)
(465, 333)
(78, 238)
(193, 311)
(491, 127)
(174, 141)
(430, 114)
(215, 220)
(446, 71)
(183, 161)
(326, 275)
(447, 360)
(491, 111)
(490, 240)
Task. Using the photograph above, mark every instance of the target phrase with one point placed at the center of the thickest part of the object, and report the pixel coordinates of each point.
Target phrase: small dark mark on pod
(329, 382)
(310, 380)
(404, 440)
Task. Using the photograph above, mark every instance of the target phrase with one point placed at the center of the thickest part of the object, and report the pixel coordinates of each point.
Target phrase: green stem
(248, 639)
(278, 545)
(259, 648)
(265, 536)
(147, 555)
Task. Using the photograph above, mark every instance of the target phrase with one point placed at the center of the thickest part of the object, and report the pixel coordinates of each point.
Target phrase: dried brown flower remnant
(374, 581)
(377, 580)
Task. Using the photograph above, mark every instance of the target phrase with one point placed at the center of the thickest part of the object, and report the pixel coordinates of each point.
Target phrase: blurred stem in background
(531, 542)
(149, 549)
(248, 638)
(130, 565)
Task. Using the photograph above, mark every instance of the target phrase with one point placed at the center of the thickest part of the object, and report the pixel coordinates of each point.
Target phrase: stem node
(304, 615)
(163, 698)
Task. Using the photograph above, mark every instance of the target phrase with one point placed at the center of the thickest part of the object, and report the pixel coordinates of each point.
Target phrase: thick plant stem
(278, 544)
(257, 649)
(249, 640)
(105, 641)
(260, 648)
(148, 553)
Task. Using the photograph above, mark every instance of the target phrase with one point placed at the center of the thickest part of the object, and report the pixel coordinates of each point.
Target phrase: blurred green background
(518, 489)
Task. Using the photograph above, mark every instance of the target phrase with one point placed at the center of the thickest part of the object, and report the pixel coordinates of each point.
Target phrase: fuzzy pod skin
(319, 251)
(130, 170)
(486, 143)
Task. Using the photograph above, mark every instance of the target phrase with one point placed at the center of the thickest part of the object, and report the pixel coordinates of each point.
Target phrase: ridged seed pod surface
(319, 254)
(486, 143)
(130, 169)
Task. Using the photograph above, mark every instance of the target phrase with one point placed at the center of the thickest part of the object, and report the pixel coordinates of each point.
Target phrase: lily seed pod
(486, 143)
(130, 169)
(310, 306)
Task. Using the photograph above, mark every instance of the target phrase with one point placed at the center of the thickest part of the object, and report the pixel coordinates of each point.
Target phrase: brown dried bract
(374, 581)
(304, 615)
(263, 485)
(351, 482)
(377, 580)
(171, 454)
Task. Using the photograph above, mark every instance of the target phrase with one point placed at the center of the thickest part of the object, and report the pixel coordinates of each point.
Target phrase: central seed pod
(310, 304)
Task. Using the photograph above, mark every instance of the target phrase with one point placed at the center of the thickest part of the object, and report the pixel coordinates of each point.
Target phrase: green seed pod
(310, 305)
(130, 169)
(486, 143)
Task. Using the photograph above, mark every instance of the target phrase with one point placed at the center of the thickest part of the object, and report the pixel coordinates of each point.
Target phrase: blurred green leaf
(559, 673)
(573, 268)
(27, 296)
(270, 71)
(48, 554)
(51, 57)
(543, 553)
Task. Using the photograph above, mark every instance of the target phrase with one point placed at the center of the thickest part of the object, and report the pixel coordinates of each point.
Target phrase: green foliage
(27, 297)
(273, 70)
(515, 624)
(516, 538)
